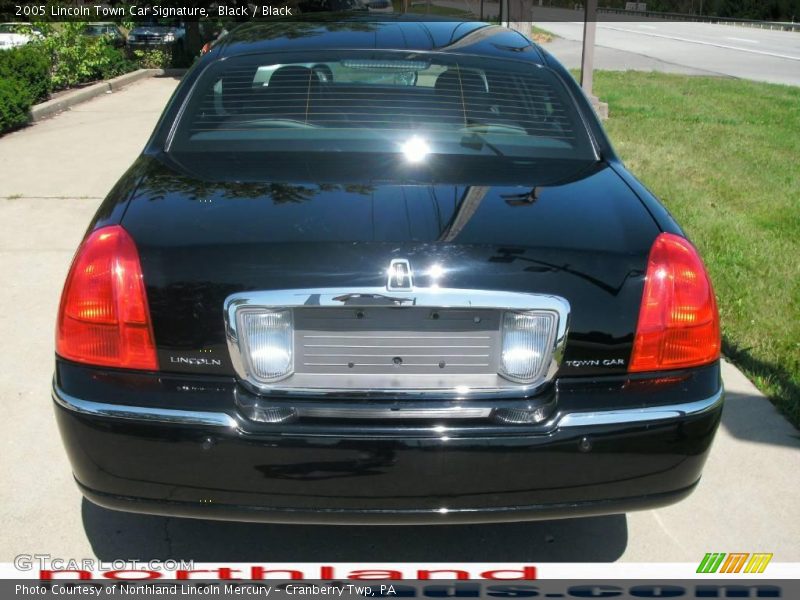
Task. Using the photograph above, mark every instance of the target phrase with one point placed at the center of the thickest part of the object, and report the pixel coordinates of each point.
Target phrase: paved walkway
(54, 175)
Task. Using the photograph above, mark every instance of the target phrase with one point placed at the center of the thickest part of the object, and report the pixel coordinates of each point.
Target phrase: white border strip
(477, 571)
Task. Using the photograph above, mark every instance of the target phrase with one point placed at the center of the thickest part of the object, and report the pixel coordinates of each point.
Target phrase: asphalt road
(54, 176)
(674, 46)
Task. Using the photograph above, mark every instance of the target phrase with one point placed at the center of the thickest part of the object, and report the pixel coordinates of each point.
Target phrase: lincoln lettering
(189, 360)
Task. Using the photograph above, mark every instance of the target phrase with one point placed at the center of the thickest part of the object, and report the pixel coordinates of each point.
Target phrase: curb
(70, 99)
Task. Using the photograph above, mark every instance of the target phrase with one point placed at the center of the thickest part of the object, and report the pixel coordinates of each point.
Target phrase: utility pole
(518, 16)
(587, 58)
(589, 33)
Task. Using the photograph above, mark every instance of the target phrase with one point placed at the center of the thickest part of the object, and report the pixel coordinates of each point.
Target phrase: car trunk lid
(573, 231)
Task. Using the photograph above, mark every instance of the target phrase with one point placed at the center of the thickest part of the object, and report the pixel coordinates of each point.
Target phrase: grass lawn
(724, 156)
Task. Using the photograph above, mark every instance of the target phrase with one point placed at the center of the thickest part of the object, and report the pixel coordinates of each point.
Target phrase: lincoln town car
(384, 272)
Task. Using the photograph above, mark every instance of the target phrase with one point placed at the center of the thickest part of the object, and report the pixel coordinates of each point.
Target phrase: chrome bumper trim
(220, 419)
(636, 415)
(144, 414)
(454, 412)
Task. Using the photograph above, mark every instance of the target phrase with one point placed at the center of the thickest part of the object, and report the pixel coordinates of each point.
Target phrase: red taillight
(678, 321)
(104, 318)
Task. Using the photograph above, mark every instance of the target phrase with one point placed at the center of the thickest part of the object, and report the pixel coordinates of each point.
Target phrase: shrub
(107, 61)
(31, 66)
(80, 59)
(14, 103)
(24, 80)
(64, 58)
(159, 57)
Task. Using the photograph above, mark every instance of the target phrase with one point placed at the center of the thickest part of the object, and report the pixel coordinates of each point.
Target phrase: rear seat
(380, 106)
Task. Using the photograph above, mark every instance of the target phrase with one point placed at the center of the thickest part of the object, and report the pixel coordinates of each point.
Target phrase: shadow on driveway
(117, 535)
(749, 416)
(752, 418)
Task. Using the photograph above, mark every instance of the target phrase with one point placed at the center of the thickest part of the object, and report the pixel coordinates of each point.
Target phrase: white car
(17, 34)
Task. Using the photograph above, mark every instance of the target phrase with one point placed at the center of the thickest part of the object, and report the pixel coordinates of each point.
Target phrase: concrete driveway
(54, 175)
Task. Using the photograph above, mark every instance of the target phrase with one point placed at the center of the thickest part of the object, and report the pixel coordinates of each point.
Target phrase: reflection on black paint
(508, 255)
(372, 462)
(208, 226)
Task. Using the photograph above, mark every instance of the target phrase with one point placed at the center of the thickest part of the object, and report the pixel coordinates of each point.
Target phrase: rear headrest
(298, 78)
(323, 72)
(471, 83)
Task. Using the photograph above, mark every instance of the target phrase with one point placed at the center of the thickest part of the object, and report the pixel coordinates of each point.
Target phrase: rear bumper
(397, 516)
(213, 464)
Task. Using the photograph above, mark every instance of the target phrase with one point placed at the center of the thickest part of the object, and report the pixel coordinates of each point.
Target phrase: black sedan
(384, 273)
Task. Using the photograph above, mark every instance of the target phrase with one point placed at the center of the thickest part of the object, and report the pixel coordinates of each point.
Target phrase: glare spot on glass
(462, 389)
(521, 354)
(444, 511)
(416, 149)
(271, 353)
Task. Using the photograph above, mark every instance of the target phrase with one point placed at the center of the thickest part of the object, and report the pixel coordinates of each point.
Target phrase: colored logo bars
(737, 562)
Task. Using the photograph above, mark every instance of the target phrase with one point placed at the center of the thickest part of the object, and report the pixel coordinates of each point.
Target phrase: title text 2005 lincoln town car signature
(384, 273)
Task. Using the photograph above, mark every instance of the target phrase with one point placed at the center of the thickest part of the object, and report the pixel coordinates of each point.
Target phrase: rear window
(365, 101)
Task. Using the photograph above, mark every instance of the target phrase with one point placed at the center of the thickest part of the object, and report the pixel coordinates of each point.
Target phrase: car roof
(399, 33)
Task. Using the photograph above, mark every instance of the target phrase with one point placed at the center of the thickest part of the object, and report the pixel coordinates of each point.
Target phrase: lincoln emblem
(400, 277)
